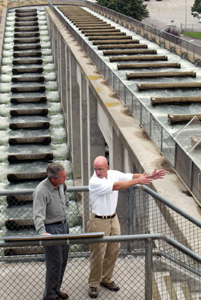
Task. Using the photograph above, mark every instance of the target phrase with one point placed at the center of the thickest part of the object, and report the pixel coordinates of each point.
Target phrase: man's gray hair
(53, 170)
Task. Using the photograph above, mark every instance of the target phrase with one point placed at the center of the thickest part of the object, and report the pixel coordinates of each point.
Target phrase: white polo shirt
(103, 198)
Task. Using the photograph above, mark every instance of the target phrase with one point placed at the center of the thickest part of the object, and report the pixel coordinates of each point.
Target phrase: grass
(195, 35)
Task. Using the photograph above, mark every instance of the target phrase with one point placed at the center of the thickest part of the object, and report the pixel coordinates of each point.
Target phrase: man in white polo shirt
(104, 186)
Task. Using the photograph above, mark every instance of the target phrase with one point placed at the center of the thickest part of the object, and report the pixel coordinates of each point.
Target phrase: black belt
(105, 217)
(60, 222)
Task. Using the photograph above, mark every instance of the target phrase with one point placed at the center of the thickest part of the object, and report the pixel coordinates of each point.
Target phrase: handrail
(30, 191)
(178, 262)
(86, 189)
(171, 205)
(43, 241)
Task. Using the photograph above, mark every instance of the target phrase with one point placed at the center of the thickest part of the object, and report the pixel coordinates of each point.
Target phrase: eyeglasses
(99, 169)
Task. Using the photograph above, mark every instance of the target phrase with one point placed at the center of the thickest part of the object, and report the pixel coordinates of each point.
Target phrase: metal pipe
(180, 263)
(30, 191)
(97, 237)
(169, 204)
(148, 269)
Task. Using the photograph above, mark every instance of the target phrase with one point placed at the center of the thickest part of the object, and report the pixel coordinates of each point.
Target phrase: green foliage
(132, 8)
(195, 35)
(196, 8)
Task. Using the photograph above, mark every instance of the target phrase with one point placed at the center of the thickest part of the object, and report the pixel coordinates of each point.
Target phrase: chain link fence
(168, 270)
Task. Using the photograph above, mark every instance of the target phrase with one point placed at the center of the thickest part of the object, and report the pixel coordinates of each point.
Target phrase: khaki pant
(103, 255)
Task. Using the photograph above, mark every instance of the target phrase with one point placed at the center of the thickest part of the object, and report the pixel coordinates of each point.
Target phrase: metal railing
(141, 210)
(138, 272)
(147, 261)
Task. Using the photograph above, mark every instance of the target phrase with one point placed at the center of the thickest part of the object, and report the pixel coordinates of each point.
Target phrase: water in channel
(15, 86)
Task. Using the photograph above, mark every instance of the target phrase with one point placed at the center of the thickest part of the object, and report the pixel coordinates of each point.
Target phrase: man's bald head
(101, 166)
(100, 160)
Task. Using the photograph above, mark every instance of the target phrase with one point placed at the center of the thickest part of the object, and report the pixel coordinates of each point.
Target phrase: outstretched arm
(157, 174)
(139, 179)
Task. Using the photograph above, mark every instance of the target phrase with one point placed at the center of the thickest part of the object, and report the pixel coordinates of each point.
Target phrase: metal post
(130, 211)
(130, 215)
(148, 269)
(186, 16)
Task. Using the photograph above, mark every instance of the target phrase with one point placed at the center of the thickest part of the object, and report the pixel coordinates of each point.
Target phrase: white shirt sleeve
(100, 186)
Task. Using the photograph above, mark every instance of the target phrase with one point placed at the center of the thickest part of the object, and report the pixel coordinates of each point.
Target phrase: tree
(132, 8)
(196, 8)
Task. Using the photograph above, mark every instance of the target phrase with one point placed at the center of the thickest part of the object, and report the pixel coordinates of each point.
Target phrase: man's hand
(46, 233)
(157, 174)
(144, 179)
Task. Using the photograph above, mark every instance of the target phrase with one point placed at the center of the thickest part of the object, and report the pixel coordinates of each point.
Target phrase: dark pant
(56, 260)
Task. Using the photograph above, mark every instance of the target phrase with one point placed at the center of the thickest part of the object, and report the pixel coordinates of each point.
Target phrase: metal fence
(159, 256)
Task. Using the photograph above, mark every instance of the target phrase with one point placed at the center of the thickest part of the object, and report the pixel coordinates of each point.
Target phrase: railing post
(148, 269)
(130, 214)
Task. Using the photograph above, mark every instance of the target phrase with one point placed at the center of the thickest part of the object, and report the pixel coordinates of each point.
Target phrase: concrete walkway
(27, 280)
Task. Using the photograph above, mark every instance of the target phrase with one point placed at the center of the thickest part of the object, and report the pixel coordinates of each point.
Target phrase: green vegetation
(196, 8)
(195, 35)
(132, 8)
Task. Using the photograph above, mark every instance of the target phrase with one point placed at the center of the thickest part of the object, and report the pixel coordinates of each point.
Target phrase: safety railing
(142, 213)
(148, 272)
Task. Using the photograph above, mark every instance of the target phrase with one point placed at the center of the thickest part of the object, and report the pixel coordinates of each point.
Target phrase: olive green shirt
(49, 205)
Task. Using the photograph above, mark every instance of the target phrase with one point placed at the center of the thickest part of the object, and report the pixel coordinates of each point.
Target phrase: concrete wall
(94, 116)
(91, 113)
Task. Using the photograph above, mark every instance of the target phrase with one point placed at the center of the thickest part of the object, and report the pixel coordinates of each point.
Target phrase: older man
(104, 186)
(50, 204)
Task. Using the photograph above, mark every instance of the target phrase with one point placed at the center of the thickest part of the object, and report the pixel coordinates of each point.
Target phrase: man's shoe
(93, 292)
(110, 286)
(62, 295)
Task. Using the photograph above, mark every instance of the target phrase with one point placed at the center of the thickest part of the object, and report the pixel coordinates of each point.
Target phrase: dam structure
(79, 81)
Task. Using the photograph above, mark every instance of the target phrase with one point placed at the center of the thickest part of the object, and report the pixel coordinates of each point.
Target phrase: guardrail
(140, 210)
(142, 213)
(138, 272)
